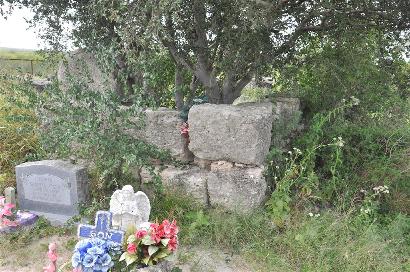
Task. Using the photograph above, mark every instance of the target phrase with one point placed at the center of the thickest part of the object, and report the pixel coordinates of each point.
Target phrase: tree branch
(171, 46)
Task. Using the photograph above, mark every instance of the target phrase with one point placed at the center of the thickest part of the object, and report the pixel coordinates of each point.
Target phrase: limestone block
(202, 163)
(191, 181)
(163, 129)
(221, 165)
(239, 189)
(83, 67)
(232, 133)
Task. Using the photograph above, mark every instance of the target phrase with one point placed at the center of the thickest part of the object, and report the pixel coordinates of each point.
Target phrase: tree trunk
(228, 89)
(116, 74)
(229, 94)
(212, 89)
(193, 86)
(179, 82)
(214, 94)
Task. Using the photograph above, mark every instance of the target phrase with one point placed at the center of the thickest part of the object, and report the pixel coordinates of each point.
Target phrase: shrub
(375, 133)
(80, 123)
(18, 137)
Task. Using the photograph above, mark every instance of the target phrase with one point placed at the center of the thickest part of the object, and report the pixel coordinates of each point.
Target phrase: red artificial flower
(9, 223)
(170, 229)
(157, 232)
(7, 210)
(173, 243)
(140, 233)
(185, 130)
(156, 237)
(131, 248)
(174, 229)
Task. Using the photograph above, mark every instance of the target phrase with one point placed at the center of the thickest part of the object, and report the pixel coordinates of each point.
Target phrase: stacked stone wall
(225, 152)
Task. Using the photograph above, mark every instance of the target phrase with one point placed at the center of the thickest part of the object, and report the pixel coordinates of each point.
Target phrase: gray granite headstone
(52, 188)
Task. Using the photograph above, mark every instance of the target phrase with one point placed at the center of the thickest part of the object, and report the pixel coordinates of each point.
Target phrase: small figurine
(52, 256)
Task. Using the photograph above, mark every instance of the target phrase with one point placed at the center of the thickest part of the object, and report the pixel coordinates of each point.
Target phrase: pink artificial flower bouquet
(151, 244)
(7, 216)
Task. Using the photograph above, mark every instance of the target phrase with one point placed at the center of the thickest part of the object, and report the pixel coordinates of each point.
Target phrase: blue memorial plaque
(101, 230)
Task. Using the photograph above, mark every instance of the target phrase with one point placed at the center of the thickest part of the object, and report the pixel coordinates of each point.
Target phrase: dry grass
(33, 256)
(17, 136)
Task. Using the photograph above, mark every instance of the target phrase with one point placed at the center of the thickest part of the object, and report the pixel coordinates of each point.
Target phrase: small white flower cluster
(296, 151)
(355, 101)
(314, 215)
(339, 141)
(366, 211)
(381, 190)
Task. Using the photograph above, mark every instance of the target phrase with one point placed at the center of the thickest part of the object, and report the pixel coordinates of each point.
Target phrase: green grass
(330, 242)
(40, 229)
(17, 135)
(20, 54)
(41, 66)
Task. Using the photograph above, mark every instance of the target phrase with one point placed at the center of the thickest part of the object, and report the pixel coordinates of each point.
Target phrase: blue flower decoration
(95, 250)
(105, 260)
(98, 267)
(82, 246)
(89, 260)
(76, 259)
(114, 247)
(93, 255)
(98, 242)
(106, 268)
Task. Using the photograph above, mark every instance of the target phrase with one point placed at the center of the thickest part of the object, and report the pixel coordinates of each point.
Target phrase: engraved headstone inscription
(52, 188)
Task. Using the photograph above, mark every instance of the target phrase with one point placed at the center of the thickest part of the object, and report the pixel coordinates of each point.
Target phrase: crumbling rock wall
(229, 144)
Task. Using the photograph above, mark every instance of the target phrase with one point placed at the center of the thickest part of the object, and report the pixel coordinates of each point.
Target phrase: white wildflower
(311, 214)
(355, 101)
(339, 141)
(381, 189)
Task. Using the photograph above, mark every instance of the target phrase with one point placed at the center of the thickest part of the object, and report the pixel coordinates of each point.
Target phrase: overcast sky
(14, 32)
